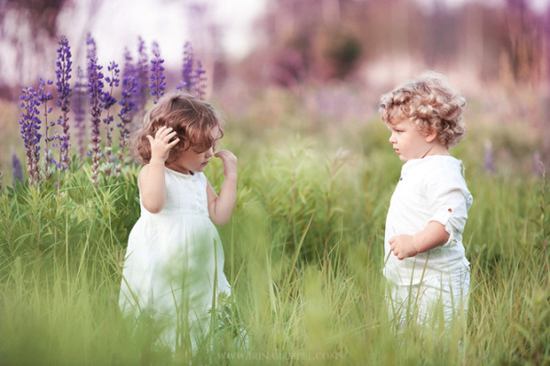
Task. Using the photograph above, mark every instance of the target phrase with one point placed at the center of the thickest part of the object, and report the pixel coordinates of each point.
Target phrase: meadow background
(304, 248)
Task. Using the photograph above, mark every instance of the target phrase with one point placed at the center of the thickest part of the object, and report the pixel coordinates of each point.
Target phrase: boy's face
(407, 142)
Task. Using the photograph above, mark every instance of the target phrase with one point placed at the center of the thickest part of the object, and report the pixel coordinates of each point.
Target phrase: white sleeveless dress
(174, 262)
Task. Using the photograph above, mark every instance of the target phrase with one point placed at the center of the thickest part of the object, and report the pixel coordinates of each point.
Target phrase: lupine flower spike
(63, 73)
(142, 75)
(79, 110)
(43, 98)
(157, 78)
(489, 160)
(30, 127)
(200, 81)
(187, 82)
(16, 169)
(131, 71)
(538, 165)
(108, 101)
(95, 88)
(128, 105)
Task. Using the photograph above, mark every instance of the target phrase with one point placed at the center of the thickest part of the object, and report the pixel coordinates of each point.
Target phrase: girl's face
(407, 142)
(191, 161)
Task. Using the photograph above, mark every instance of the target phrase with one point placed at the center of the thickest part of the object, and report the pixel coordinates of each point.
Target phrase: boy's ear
(431, 136)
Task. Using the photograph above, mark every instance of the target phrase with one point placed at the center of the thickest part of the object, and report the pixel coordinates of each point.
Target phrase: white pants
(438, 298)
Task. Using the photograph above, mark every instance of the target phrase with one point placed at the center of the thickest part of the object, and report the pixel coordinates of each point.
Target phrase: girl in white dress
(173, 270)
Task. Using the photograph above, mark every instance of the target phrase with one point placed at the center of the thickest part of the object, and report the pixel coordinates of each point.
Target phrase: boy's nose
(391, 139)
(210, 152)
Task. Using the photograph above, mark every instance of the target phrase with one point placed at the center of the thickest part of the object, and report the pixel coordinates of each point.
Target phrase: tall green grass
(303, 254)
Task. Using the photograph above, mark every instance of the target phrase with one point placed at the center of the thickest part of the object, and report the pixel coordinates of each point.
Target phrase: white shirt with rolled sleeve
(429, 189)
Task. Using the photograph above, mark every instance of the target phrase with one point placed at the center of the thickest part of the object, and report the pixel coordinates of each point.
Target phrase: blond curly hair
(431, 104)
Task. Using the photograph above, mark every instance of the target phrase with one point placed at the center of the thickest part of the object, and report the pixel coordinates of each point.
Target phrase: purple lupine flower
(129, 72)
(30, 127)
(16, 169)
(538, 165)
(128, 105)
(200, 81)
(489, 160)
(157, 77)
(79, 110)
(128, 69)
(187, 82)
(108, 101)
(43, 98)
(95, 88)
(63, 72)
(142, 75)
(113, 80)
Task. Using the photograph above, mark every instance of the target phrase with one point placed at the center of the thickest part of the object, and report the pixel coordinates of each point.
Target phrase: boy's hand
(229, 163)
(161, 145)
(403, 246)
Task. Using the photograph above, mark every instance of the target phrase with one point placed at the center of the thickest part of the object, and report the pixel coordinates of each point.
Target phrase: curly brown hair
(191, 118)
(431, 104)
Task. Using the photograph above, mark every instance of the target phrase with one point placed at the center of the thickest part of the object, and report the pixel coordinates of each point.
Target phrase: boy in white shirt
(425, 261)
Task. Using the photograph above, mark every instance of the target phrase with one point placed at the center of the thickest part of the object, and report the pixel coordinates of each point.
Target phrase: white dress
(174, 262)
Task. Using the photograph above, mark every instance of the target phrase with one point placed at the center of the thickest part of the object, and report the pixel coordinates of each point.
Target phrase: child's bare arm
(151, 180)
(433, 235)
(220, 207)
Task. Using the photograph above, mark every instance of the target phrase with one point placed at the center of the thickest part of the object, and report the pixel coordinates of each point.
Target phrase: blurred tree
(28, 36)
(523, 43)
(337, 52)
(28, 27)
(480, 40)
(442, 36)
(309, 39)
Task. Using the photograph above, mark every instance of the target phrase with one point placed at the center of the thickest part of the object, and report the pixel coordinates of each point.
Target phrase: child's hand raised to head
(403, 246)
(229, 162)
(160, 144)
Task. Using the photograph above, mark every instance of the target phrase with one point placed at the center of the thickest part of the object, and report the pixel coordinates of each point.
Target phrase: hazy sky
(166, 22)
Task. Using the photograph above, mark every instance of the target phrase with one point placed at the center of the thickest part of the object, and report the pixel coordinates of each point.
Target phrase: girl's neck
(180, 170)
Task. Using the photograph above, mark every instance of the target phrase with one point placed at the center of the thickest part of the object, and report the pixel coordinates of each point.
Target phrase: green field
(304, 252)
